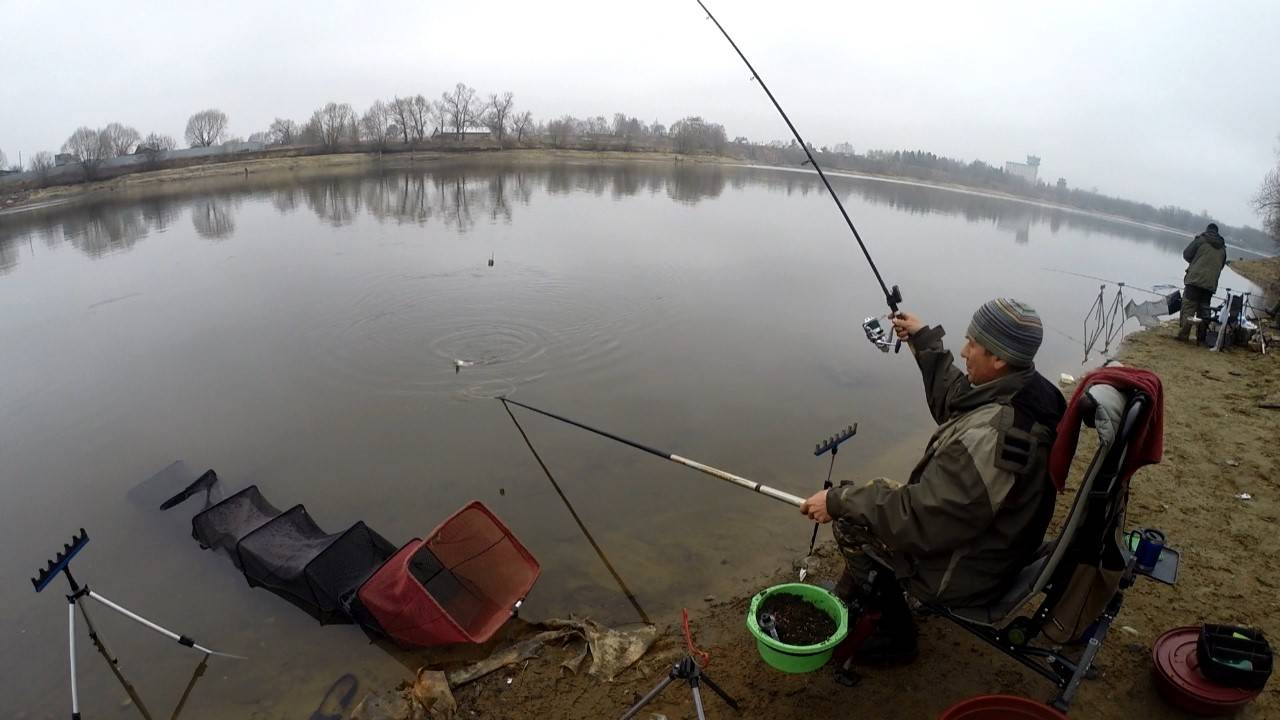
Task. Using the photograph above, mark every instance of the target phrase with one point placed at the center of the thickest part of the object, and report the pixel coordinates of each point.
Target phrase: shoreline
(44, 198)
(1219, 445)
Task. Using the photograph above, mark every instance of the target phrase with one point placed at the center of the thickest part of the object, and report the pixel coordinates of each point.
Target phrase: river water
(302, 332)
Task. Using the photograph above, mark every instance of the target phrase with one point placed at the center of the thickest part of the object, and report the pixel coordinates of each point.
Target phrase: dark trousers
(868, 585)
(1195, 304)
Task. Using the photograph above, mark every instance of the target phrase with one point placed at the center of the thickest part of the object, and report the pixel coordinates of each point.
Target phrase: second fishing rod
(875, 332)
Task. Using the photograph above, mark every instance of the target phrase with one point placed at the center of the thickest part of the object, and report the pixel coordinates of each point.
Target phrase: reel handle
(893, 298)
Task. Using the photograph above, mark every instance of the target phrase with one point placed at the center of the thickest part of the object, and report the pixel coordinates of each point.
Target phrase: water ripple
(469, 336)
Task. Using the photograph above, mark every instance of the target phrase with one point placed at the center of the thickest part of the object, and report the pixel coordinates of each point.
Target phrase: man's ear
(998, 363)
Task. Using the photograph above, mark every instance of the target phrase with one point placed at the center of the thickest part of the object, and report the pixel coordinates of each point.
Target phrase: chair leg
(1084, 669)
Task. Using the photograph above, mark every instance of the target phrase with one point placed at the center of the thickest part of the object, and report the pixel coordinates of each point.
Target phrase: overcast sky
(1166, 102)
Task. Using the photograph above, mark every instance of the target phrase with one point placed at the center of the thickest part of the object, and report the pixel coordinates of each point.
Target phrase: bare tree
(154, 146)
(374, 125)
(694, 134)
(3, 159)
(206, 127)
(561, 130)
(460, 108)
(499, 114)
(262, 136)
(439, 116)
(282, 132)
(89, 147)
(1267, 203)
(521, 125)
(401, 110)
(41, 162)
(160, 141)
(419, 117)
(335, 123)
(598, 125)
(120, 139)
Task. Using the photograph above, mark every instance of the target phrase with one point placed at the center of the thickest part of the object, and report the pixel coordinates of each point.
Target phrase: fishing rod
(1105, 280)
(738, 480)
(631, 597)
(891, 296)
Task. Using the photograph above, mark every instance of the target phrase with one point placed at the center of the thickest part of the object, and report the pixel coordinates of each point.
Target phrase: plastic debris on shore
(431, 694)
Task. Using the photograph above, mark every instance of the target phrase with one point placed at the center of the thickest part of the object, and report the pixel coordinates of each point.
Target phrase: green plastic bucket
(799, 658)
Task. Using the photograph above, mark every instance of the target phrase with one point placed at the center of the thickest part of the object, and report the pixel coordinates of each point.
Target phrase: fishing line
(892, 297)
(600, 552)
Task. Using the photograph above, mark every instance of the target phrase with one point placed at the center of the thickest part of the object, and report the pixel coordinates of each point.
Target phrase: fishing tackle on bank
(1106, 321)
(831, 445)
(738, 480)
(1149, 291)
(891, 296)
(631, 597)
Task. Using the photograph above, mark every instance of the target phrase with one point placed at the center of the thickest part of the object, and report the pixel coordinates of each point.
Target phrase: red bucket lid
(1178, 671)
(1000, 707)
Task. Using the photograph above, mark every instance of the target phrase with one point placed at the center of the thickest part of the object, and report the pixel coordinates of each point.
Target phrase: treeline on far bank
(461, 119)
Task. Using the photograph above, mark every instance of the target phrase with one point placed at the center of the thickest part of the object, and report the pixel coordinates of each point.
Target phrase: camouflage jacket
(977, 505)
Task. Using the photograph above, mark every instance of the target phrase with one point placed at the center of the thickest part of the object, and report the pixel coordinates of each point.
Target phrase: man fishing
(1205, 256)
(977, 505)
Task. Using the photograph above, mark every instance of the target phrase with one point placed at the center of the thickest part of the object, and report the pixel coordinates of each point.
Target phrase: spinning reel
(876, 333)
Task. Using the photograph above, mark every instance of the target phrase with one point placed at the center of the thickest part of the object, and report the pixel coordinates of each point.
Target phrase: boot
(846, 586)
(892, 643)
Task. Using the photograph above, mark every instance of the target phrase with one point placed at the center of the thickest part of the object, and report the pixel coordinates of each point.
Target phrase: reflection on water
(457, 196)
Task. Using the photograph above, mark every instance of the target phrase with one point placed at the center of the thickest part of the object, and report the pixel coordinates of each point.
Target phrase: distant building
(238, 146)
(1027, 171)
(65, 159)
(467, 132)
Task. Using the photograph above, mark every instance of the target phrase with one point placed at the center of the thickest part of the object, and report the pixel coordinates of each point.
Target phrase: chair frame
(1090, 541)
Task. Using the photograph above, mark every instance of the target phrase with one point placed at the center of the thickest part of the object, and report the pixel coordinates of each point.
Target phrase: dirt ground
(1219, 444)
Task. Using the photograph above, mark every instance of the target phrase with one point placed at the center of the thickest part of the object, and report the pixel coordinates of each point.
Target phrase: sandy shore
(1219, 444)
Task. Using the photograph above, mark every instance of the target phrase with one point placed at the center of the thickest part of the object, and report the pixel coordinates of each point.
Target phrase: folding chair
(1084, 572)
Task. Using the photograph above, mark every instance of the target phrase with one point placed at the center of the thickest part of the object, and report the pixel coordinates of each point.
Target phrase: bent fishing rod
(738, 480)
(891, 296)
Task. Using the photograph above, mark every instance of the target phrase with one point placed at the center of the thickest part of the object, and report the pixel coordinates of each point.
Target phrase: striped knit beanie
(1008, 329)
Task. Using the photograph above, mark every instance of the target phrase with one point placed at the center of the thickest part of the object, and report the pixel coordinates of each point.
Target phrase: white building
(1027, 171)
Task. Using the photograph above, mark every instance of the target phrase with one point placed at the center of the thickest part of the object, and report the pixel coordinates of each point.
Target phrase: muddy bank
(1219, 445)
(1265, 273)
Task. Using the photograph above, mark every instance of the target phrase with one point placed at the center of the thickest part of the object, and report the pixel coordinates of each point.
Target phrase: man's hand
(815, 508)
(905, 325)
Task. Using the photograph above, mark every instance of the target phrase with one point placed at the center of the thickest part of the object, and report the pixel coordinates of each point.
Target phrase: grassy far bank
(1265, 273)
(1220, 444)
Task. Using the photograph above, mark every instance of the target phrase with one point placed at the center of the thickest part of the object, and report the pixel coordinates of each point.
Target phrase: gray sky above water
(1166, 102)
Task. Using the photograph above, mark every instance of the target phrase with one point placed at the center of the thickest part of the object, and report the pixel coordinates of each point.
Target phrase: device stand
(61, 565)
(688, 671)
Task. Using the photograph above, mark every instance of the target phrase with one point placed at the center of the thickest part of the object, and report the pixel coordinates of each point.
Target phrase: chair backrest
(1236, 309)
(1099, 504)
